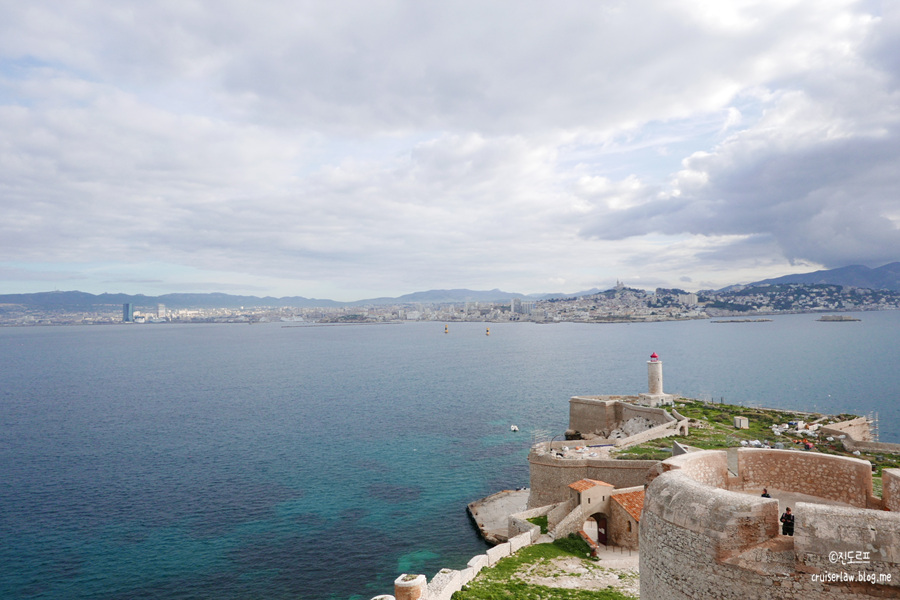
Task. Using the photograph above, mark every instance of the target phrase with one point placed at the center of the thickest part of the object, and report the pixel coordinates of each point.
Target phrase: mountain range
(885, 277)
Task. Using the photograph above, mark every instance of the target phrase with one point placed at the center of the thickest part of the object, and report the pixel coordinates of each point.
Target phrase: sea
(270, 461)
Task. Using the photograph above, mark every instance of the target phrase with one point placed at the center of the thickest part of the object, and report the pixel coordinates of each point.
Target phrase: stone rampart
(890, 486)
(856, 435)
(446, 582)
(591, 414)
(821, 529)
(837, 478)
(571, 523)
(700, 541)
(559, 512)
(706, 467)
(660, 431)
(551, 475)
(858, 429)
(518, 522)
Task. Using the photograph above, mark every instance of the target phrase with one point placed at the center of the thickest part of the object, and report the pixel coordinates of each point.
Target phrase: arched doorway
(597, 528)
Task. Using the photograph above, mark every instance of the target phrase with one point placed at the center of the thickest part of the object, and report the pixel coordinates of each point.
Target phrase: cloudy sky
(354, 149)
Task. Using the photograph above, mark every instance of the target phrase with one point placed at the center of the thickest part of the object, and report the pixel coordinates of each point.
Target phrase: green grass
(502, 582)
(718, 432)
(540, 522)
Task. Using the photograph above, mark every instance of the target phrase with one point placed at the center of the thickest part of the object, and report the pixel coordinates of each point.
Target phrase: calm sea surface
(236, 461)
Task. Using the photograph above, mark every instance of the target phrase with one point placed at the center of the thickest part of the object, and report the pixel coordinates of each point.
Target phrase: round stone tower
(654, 375)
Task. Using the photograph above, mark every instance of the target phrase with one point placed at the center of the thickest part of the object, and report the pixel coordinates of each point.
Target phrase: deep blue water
(236, 461)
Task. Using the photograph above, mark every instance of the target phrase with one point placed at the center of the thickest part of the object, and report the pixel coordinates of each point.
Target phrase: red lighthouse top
(654, 357)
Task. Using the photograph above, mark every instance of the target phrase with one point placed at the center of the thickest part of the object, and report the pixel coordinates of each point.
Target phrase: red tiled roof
(632, 502)
(586, 484)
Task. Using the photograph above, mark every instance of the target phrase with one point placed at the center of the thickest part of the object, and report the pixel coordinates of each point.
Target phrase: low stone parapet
(519, 523)
(890, 489)
(497, 552)
(446, 583)
(520, 541)
(477, 563)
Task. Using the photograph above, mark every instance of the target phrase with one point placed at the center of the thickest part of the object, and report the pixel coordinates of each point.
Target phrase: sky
(359, 149)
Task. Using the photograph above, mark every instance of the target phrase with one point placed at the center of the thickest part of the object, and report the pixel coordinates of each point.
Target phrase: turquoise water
(237, 461)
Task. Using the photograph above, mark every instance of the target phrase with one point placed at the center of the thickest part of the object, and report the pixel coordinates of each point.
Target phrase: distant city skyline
(385, 148)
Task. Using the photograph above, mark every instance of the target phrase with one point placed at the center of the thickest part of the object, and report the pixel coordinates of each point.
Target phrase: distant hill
(886, 277)
(83, 301)
(443, 296)
(75, 300)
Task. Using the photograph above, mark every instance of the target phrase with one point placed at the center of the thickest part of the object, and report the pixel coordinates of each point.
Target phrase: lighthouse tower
(654, 375)
(655, 395)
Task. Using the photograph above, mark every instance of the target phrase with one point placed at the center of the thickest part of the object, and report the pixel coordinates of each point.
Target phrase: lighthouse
(654, 375)
(655, 395)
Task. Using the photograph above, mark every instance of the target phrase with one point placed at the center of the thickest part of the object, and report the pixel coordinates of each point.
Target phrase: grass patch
(574, 545)
(712, 428)
(540, 522)
(519, 590)
(502, 581)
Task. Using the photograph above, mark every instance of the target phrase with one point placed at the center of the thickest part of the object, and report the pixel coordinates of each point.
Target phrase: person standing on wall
(787, 522)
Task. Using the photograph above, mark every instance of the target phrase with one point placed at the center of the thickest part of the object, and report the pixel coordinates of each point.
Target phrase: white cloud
(393, 146)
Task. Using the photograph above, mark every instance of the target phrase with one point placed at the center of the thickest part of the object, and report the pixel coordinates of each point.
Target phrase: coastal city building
(618, 305)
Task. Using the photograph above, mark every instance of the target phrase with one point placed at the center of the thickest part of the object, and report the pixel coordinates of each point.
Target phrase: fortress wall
(592, 413)
(703, 543)
(621, 473)
(822, 529)
(730, 522)
(890, 486)
(859, 436)
(559, 512)
(551, 476)
(660, 431)
(709, 467)
(839, 478)
(518, 522)
(571, 523)
(858, 429)
(654, 415)
(675, 565)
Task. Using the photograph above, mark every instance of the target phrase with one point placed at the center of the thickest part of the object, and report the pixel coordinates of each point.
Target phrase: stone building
(625, 517)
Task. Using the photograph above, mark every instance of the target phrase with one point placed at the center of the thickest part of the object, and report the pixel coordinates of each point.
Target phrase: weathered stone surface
(519, 542)
(478, 562)
(409, 587)
(701, 542)
(446, 583)
(497, 552)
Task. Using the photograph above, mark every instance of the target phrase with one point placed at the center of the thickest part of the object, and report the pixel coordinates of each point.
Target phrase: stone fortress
(698, 518)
